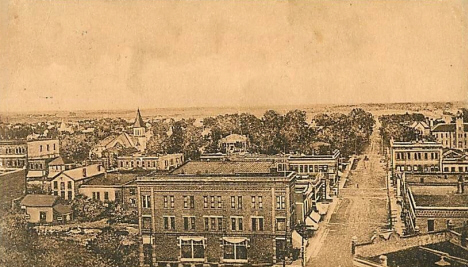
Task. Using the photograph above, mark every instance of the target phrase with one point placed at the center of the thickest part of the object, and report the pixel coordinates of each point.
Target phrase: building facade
(13, 154)
(225, 220)
(66, 184)
(415, 157)
(452, 135)
(161, 163)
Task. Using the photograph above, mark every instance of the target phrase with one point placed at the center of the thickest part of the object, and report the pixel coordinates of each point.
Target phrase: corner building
(215, 220)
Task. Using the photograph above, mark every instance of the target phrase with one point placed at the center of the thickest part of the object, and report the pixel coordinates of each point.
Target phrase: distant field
(11, 187)
(429, 109)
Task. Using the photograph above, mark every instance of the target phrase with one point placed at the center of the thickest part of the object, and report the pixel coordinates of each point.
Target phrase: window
(146, 201)
(186, 204)
(132, 191)
(169, 222)
(42, 216)
(239, 202)
(132, 202)
(213, 223)
(260, 202)
(257, 223)
(235, 251)
(146, 222)
(220, 202)
(166, 202)
(212, 202)
(69, 185)
(189, 223)
(55, 185)
(40, 148)
(54, 146)
(237, 224)
(94, 195)
(192, 202)
(233, 202)
(253, 202)
(62, 185)
(205, 202)
(280, 203)
(192, 249)
(48, 147)
(106, 195)
(280, 224)
(69, 195)
(98, 195)
(430, 225)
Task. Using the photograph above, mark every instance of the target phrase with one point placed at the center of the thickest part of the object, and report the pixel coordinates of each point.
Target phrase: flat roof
(225, 167)
(113, 179)
(436, 178)
(439, 196)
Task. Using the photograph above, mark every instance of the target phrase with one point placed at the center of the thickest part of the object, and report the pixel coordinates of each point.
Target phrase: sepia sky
(110, 54)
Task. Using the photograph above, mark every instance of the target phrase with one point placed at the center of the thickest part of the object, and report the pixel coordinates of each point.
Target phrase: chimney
(84, 171)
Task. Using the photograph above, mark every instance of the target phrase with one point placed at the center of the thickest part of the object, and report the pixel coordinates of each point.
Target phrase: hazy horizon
(120, 55)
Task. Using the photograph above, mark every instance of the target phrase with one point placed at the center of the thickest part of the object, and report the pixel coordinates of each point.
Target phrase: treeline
(397, 126)
(273, 133)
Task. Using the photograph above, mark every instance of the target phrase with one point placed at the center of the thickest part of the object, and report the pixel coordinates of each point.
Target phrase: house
(67, 183)
(421, 128)
(13, 154)
(453, 134)
(233, 143)
(107, 188)
(45, 209)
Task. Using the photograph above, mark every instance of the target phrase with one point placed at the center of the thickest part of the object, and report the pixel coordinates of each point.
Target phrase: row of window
(446, 135)
(47, 147)
(97, 196)
(214, 202)
(68, 196)
(62, 185)
(307, 168)
(215, 223)
(416, 155)
(455, 169)
(18, 150)
(131, 163)
(13, 163)
(418, 168)
(195, 249)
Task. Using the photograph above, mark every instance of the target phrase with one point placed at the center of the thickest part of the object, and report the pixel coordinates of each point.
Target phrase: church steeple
(139, 125)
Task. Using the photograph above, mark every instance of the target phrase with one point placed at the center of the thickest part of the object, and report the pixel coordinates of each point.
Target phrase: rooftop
(435, 178)
(115, 178)
(225, 167)
(448, 127)
(79, 173)
(439, 196)
(38, 201)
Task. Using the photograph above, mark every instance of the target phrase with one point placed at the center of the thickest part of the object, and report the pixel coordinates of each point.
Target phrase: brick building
(416, 157)
(161, 163)
(13, 154)
(452, 134)
(220, 213)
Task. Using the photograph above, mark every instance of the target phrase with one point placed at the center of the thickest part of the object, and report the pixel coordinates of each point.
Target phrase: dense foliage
(397, 126)
(273, 133)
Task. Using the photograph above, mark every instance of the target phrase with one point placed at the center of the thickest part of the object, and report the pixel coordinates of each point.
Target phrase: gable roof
(117, 179)
(38, 200)
(138, 120)
(78, 173)
(57, 161)
(448, 127)
(63, 209)
(422, 123)
(234, 138)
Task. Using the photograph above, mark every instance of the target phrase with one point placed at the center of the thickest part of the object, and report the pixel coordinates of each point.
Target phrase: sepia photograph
(233, 133)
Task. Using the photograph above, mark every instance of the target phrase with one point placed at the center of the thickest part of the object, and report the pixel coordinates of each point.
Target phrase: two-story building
(40, 153)
(147, 162)
(67, 183)
(416, 157)
(13, 154)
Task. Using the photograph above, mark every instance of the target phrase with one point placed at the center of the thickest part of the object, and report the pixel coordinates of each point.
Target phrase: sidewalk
(315, 242)
(395, 209)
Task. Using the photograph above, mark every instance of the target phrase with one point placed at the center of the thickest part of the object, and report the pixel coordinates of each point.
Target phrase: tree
(117, 248)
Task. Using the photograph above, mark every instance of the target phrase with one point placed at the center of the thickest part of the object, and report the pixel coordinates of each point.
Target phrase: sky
(111, 54)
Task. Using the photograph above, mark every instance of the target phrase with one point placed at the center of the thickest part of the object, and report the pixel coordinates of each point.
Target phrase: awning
(296, 239)
(235, 240)
(189, 238)
(322, 208)
(315, 216)
(311, 224)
